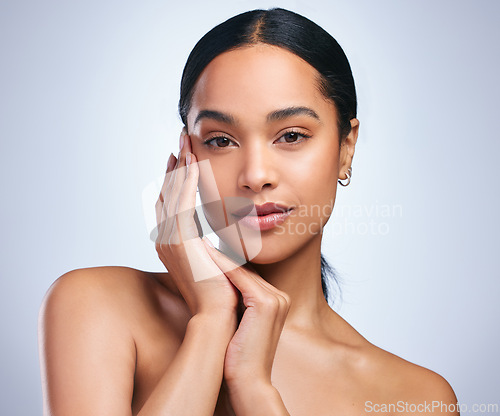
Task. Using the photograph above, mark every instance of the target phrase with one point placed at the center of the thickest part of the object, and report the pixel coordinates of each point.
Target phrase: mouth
(264, 217)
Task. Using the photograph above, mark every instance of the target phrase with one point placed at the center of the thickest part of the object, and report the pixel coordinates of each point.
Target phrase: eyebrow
(273, 116)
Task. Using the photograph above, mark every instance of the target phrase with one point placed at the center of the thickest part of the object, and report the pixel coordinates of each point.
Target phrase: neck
(299, 276)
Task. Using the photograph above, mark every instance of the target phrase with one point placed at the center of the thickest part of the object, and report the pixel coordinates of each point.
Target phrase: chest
(308, 384)
(304, 402)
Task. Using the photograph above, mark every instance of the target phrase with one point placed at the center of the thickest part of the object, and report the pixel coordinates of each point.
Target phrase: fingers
(186, 226)
(254, 289)
(163, 216)
(174, 187)
(172, 160)
(166, 191)
(176, 215)
(162, 202)
(159, 203)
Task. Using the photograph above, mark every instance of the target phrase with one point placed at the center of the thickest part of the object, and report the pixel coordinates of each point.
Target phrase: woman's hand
(250, 353)
(203, 285)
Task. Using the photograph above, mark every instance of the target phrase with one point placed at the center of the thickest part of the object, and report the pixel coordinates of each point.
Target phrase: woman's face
(260, 152)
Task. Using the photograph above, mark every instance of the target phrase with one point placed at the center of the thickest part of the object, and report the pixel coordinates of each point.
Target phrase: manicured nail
(188, 158)
(170, 163)
(181, 142)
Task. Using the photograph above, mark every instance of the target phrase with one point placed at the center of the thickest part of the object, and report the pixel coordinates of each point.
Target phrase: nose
(259, 168)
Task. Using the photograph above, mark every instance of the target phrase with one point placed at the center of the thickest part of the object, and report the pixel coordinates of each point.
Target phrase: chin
(265, 250)
(274, 251)
(266, 257)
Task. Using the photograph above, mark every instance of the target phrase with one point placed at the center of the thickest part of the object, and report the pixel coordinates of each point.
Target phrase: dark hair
(297, 34)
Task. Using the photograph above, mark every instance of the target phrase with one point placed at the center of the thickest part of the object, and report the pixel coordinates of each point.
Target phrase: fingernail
(181, 141)
(170, 163)
(188, 158)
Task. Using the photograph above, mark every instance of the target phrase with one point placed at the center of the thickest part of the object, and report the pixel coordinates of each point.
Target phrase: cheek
(216, 182)
(208, 182)
(315, 186)
(326, 181)
(223, 178)
(317, 174)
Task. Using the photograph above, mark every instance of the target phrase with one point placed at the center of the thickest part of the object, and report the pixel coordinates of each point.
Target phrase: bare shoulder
(127, 299)
(89, 325)
(98, 280)
(120, 295)
(411, 388)
(386, 383)
(94, 301)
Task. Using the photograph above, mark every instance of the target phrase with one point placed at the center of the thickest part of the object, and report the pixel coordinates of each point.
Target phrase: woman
(269, 109)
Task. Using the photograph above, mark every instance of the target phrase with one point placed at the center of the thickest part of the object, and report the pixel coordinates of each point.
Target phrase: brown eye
(291, 137)
(222, 141)
(218, 142)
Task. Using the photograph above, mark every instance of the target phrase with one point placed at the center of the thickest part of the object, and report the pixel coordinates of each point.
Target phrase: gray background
(88, 100)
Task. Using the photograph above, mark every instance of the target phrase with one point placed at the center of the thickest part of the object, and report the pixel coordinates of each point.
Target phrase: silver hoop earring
(348, 174)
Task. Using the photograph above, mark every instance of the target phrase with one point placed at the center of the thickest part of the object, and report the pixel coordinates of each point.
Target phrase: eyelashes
(295, 133)
(222, 141)
(218, 139)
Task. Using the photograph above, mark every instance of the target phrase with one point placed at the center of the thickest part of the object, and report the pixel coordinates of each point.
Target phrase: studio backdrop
(88, 118)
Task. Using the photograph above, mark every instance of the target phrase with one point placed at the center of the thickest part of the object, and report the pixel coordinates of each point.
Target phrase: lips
(269, 215)
(264, 209)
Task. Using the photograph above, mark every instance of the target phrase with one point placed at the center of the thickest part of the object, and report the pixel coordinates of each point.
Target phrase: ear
(347, 149)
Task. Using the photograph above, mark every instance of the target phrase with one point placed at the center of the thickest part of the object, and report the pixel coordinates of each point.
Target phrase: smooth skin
(120, 341)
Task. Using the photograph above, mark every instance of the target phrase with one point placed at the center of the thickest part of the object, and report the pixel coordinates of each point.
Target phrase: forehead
(255, 80)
